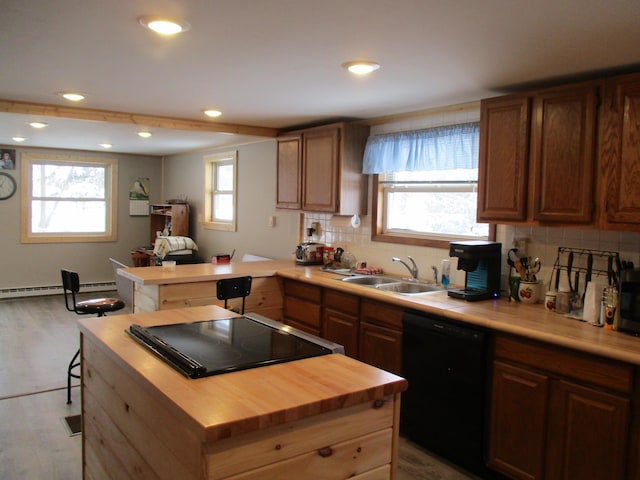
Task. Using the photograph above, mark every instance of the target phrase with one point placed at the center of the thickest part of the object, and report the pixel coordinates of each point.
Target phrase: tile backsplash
(542, 242)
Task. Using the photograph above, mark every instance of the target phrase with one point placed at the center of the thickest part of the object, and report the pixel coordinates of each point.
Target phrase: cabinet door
(588, 433)
(289, 183)
(320, 151)
(341, 320)
(381, 347)
(563, 154)
(503, 159)
(517, 422)
(621, 149)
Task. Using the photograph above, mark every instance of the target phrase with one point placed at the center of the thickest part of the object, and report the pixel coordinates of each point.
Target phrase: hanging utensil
(588, 276)
(569, 267)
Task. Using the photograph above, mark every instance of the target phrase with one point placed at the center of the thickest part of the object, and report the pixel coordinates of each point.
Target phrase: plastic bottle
(446, 273)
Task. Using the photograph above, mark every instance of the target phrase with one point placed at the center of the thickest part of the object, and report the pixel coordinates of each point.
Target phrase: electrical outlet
(272, 221)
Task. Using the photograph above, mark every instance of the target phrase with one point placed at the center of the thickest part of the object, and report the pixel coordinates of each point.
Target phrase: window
(220, 191)
(68, 199)
(425, 187)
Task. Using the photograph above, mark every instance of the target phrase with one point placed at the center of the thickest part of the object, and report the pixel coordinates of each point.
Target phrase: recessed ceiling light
(18, 139)
(106, 145)
(145, 134)
(361, 67)
(72, 96)
(212, 113)
(164, 25)
(38, 124)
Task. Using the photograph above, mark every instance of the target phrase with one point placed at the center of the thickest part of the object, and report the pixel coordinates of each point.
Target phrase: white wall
(38, 265)
(256, 203)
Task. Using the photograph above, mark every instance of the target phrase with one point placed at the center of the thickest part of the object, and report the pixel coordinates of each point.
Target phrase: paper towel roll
(592, 300)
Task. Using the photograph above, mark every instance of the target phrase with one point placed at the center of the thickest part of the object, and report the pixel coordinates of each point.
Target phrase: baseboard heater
(20, 292)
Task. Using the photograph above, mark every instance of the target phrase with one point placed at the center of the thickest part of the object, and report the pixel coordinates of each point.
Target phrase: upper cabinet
(320, 169)
(620, 152)
(538, 156)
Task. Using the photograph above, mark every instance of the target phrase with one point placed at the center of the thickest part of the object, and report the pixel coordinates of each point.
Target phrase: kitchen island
(192, 285)
(322, 417)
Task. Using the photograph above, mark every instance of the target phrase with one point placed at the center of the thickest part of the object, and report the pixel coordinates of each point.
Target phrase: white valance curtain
(441, 148)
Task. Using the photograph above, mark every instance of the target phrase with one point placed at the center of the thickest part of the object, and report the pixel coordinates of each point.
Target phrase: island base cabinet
(356, 442)
(129, 432)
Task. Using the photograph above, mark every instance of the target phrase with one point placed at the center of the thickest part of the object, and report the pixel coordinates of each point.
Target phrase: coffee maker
(480, 260)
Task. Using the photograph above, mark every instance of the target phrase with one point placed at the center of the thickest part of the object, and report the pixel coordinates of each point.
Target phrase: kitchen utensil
(588, 276)
(569, 268)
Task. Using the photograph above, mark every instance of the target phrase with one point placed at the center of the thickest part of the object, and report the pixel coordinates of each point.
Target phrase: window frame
(422, 240)
(210, 163)
(111, 198)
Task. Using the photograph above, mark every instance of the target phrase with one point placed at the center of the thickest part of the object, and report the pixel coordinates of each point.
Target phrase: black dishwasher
(444, 408)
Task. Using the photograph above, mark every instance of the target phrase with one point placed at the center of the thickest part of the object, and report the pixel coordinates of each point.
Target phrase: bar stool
(94, 306)
(237, 287)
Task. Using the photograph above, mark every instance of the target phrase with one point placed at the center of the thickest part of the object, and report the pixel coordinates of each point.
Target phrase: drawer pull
(379, 403)
(325, 452)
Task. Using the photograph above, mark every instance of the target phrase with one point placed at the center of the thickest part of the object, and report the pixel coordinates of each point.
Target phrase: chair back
(70, 286)
(237, 287)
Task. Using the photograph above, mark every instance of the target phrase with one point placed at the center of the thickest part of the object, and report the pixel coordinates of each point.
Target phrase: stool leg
(72, 365)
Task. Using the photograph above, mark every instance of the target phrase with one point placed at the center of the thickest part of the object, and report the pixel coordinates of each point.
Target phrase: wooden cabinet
(504, 159)
(563, 154)
(302, 306)
(381, 335)
(620, 151)
(173, 217)
(289, 167)
(369, 330)
(538, 156)
(320, 169)
(341, 320)
(557, 414)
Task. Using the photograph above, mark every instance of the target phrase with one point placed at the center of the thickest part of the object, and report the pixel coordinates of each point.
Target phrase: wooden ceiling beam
(11, 106)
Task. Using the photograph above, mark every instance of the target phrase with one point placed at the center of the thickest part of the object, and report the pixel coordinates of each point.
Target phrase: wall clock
(7, 186)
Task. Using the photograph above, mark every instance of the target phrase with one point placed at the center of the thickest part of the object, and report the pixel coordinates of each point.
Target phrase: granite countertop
(501, 315)
(226, 405)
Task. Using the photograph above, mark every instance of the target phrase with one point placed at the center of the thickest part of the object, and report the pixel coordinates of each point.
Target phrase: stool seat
(96, 306)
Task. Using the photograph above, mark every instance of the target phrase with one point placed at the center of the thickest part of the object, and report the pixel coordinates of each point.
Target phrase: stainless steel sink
(409, 287)
(392, 284)
(369, 280)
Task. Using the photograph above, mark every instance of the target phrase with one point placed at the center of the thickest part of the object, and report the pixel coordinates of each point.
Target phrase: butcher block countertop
(203, 272)
(227, 405)
(501, 315)
(529, 321)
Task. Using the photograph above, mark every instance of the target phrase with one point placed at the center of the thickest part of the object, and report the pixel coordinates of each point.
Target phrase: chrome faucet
(435, 274)
(412, 270)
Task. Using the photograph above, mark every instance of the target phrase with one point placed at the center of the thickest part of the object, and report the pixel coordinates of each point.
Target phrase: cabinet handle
(379, 403)
(325, 452)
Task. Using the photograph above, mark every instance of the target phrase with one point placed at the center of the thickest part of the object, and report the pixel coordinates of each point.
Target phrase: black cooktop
(212, 347)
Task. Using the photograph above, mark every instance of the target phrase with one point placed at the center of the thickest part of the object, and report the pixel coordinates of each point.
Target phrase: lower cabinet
(381, 335)
(557, 414)
(341, 319)
(370, 331)
(301, 306)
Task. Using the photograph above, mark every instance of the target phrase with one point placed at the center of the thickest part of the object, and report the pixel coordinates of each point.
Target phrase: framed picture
(7, 159)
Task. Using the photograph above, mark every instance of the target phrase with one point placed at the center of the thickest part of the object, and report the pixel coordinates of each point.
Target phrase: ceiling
(275, 64)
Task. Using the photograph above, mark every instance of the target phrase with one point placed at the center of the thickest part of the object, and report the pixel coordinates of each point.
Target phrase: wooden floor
(38, 337)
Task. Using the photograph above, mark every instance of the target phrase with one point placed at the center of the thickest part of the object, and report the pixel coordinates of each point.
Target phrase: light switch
(272, 221)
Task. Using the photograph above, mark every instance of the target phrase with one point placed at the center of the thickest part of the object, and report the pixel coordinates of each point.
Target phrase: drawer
(342, 302)
(591, 369)
(311, 293)
(381, 314)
